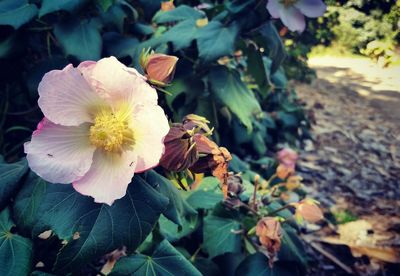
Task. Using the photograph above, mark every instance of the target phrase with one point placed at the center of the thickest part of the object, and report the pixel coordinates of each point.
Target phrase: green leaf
(207, 194)
(178, 209)
(257, 70)
(49, 6)
(165, 260)
(229, 89)
(105, 4)
(237, 6)
(15, 250)
(273, 42)
(181, 35)
(119, 46)
(8, 45)
(292, 248)
(219, 236)
(173, 232)
(114, 17)
(27, 202)
(101, 228)
(214, 40)
(10, 175)
(16, 13)
(80, 39)
(182, 12)
(257, 264)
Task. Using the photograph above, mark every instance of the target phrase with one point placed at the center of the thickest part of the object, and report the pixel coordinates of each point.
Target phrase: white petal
(311, 8)
(109, 176)
(60, 154)
(150, 126)
(293, 19)
(66, 98)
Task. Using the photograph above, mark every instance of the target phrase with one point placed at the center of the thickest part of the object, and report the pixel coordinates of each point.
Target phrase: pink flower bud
(159, 68)
(287, 157)
(309, 211)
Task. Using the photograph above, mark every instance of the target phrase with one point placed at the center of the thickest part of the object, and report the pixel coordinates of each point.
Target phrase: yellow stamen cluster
(110, 132)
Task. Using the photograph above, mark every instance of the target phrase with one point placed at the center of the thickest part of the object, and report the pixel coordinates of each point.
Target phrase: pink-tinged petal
(66, 98)
(311, 8)
(86, 68)
(115, 82)
(150, 126)
(273, 7)
(60, 154)
(293, 19)
(109, 176)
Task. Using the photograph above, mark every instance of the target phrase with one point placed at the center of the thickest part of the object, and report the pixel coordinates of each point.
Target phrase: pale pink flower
(288, 157)
(102, 124)
(292, 12)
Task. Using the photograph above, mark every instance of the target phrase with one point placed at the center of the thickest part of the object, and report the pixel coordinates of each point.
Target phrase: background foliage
(229, 72)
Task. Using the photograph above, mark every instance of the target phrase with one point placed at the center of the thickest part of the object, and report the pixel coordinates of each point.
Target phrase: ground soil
(353, 163)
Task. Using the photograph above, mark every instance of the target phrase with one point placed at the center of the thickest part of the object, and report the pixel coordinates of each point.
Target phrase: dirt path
(354, 162)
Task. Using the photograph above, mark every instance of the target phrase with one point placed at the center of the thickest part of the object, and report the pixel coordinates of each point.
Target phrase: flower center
(111, 132)
(288, 3)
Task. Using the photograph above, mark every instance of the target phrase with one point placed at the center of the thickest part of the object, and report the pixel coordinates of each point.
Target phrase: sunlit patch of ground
(354, 162)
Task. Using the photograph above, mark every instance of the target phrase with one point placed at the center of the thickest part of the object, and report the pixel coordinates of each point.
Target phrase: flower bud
(269, 233)
(308, 210)
(287, 157)
(283, 171)
(167, 6)
(180, 149)
(159, 68)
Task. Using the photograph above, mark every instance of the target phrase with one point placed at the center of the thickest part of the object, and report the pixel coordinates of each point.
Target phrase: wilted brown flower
(212, 158)
(167, 6)
(180, 149)
(269, 233)
(308, 210)
(159, 68)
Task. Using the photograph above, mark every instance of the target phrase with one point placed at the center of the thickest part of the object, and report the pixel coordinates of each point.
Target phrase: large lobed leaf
(165, 260)
(80, 39)
(90, 229)
(230, 90)
(182, 12)
(49, 6)
(15, 250)
(10, 175)
(220, 236)
(16, 13)
(215, 40)
(272, 41)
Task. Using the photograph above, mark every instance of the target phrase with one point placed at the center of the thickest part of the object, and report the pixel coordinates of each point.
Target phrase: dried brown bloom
(212, 158)
(180, 149)
(269, 233)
